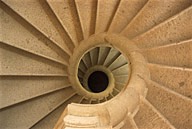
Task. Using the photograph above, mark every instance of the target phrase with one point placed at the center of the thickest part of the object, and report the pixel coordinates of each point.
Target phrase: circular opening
(98, 81)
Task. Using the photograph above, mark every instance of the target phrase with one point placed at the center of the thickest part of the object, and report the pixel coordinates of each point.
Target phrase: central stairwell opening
(98, 81)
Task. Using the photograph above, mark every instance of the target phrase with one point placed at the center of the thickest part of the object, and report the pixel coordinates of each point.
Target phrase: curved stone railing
(109, 114)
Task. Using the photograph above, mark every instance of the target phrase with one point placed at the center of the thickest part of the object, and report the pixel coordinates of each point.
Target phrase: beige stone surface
(33, 110)
(105, 12)
(50, 48)
(126, 11)
(176, 78)
(29, 39)
(173, 106)
(177, 54)
(50, 120)
(34, 11)
(145, 19)
(149, 118)
(87, 15)
(68, 17)
(129, 123)
(173, 30)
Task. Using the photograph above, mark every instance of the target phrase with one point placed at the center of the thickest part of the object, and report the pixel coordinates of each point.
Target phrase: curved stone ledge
(115, 110)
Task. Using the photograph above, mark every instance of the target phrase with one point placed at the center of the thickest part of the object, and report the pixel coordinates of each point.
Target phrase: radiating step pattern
(112, 60)
(171, 104)
(87, 15)
(173, 30)
(66, 13)
(149, 118)
(53, 116)
(177, 54)
(27, 64)
(34, 109)
(27, 88)
(105, 13)
(29, 39)
(145, 19)
(177, 79)
(38, 39)
(34, 11)
(126, 11)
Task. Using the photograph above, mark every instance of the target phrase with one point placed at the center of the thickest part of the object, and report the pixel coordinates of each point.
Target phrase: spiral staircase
(96, 64)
